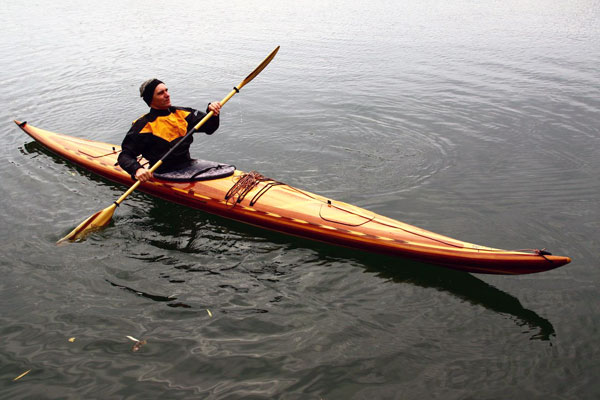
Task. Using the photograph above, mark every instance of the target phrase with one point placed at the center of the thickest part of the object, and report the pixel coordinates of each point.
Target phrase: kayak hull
(279, 207)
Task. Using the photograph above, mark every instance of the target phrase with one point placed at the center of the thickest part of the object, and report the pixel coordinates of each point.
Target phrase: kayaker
(153, 134)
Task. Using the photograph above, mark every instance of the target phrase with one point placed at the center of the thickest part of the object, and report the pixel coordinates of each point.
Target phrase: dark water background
(478, 120)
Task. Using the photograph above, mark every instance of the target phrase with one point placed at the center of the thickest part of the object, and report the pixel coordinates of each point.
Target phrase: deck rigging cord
(246, 183)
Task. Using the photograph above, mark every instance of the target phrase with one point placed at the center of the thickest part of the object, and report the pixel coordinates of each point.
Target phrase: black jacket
(153, 134)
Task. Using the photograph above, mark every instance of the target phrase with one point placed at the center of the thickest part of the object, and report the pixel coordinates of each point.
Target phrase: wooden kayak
(266, 203)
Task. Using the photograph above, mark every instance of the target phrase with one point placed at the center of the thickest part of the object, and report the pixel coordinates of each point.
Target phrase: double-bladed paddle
(103, 217)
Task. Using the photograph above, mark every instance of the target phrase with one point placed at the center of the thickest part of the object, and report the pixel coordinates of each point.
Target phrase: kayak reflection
(178, 230)
(469, 288)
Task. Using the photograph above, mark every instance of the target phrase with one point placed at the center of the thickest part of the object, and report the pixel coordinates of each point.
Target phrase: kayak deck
(266, 203)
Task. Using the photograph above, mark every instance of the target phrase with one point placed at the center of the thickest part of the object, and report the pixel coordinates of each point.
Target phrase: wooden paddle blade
(93, 223)
(258, 69)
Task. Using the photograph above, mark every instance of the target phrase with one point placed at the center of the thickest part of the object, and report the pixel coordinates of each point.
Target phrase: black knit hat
(147, 89)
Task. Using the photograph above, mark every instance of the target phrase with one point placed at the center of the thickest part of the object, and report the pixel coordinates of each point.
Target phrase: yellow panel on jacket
(169, 127)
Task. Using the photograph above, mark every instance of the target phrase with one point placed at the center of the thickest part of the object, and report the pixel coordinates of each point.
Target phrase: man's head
(156, 94)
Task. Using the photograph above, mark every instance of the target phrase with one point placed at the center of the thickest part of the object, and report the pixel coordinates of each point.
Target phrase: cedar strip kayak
(273, 205)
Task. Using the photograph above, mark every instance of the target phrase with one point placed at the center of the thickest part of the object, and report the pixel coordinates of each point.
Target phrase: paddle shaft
(103, 217)
(235, 90)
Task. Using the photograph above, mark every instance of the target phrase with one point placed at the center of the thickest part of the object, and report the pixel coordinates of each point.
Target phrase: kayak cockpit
(197, 170)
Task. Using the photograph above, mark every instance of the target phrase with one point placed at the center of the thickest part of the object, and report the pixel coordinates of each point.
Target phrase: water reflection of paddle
(170, 300)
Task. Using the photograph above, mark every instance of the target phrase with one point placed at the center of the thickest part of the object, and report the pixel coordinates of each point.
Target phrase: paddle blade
(258, 69)
(93, 223)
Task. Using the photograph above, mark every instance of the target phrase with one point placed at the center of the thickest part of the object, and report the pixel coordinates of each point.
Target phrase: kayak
(256, 200)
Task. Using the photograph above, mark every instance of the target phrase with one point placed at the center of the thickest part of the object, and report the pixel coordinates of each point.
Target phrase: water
(478, 120)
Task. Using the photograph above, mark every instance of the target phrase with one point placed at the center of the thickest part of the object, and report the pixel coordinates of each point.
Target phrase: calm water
(478, 120)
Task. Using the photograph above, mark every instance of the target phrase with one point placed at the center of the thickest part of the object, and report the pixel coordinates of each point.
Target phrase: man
(153, 134)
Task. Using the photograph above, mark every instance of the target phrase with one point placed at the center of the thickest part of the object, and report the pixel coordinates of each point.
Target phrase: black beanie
(147, 89)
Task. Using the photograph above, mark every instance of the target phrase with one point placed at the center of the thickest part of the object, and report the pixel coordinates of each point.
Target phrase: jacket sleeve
(131, 148)
(209, 126)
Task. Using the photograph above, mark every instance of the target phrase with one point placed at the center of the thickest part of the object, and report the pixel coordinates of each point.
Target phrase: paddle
(103, 217)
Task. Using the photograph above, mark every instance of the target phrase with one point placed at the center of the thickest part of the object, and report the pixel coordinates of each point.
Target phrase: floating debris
(209, 313)
(138, 345)
(22, 375)
(71, 339)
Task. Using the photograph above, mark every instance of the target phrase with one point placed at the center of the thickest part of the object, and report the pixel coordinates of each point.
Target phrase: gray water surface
(477, 120)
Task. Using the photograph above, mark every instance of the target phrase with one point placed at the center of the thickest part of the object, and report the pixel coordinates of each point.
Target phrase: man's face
(161, 99)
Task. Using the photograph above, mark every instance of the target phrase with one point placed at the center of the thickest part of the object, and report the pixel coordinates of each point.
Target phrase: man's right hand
(142, 174)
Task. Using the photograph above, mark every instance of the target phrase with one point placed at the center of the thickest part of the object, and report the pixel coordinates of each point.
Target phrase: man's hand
(142, 174)
(215, 107)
